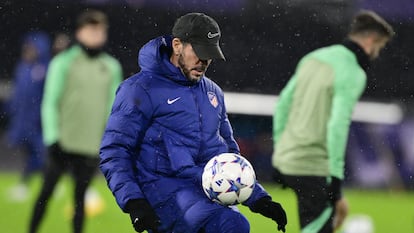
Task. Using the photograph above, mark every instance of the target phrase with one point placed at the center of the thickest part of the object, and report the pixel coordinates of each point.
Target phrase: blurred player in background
(312, 120)
(167, 122)
(24, 130)
(79, 91)
(60, 43)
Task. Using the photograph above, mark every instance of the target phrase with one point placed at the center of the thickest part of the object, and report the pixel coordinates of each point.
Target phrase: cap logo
(212, 35)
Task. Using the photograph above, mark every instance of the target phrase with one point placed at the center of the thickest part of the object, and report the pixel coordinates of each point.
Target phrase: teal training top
(78, 95)
(313, 114)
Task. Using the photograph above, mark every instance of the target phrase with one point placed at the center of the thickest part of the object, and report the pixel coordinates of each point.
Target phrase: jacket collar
(362, 57)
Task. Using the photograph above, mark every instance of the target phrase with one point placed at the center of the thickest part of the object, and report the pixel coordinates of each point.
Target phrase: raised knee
(234, 222)
(226, 220)
(243, 225)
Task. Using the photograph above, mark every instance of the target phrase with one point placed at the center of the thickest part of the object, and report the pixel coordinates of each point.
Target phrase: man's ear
(177, 46)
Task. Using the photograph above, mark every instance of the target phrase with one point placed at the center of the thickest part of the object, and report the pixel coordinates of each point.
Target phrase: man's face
(191, 66)
(377, 45)
(29, 53)
(92, 35)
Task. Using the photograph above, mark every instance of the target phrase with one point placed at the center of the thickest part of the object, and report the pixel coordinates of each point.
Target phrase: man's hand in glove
(266, 207)
(142, 215)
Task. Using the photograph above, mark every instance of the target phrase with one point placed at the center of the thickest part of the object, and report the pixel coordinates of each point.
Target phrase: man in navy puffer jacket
(167, 121)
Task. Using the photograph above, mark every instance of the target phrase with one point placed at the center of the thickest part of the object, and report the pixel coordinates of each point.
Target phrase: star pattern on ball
(239, 184)
(233, 187)
(214, 168)
(212, 194)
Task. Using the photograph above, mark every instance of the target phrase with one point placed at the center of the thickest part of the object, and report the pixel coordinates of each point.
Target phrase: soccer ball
(228, 179)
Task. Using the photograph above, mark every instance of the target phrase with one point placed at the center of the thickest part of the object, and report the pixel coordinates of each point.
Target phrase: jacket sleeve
(127, 123)
(258, 193)
(54, 86)
(346, 93)
(226, 132)
(282, 109)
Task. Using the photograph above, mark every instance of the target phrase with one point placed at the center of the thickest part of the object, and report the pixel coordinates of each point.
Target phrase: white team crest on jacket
(213, 99)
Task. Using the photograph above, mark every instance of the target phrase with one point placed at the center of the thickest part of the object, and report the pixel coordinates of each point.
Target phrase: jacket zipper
(200, 117)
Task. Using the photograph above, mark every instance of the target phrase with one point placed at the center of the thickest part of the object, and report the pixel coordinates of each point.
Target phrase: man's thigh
(186, 210)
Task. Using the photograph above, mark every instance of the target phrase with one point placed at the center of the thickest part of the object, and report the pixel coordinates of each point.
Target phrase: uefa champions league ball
(228, 179)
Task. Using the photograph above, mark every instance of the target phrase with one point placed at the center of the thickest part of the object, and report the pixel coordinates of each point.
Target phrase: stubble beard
(187, 72)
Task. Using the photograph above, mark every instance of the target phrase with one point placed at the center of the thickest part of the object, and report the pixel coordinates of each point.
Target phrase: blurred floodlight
(264, 105)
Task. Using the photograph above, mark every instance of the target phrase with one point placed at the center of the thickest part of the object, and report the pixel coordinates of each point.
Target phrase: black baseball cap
(202, 32)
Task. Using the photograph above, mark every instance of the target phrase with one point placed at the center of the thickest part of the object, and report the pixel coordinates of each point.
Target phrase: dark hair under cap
(90, 16)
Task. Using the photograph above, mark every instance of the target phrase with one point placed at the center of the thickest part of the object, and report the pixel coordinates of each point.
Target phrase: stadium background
(262, 41)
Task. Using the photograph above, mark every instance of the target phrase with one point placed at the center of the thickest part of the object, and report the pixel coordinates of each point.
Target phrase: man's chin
(194, 78)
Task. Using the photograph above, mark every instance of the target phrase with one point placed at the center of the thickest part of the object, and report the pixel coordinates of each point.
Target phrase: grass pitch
(390, 211)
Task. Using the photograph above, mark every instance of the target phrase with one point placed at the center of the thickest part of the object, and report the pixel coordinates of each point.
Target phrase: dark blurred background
(262, 41)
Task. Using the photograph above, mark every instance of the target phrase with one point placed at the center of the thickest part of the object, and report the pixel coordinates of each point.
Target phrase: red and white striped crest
(213, 99)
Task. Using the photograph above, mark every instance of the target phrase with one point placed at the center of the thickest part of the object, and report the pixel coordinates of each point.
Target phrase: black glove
(335, 190)
(266, 207)
(142, 215)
